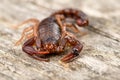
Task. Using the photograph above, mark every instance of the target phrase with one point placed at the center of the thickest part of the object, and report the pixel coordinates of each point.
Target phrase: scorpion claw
(40, 59)
(67, 57)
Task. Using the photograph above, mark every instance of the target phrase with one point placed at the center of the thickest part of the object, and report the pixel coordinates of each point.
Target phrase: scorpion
(51, 36)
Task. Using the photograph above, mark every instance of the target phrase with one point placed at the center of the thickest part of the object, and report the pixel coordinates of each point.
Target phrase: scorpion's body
(50, 35)
(49, 31)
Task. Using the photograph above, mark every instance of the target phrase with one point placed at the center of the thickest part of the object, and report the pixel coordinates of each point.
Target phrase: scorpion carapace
(50, 35)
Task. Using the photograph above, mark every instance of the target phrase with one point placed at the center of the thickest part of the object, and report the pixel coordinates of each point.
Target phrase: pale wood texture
(100, 57)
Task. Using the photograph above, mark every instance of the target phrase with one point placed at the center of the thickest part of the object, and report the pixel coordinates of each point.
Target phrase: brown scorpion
(50, 35)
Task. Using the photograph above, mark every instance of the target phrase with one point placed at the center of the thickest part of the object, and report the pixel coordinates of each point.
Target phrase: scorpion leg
(28, 36)
(23, 35)
(62, 26)
(29, 49)
(34, 28)
(76, 49)
(72, 26)
(75, 29)
(35, 21)
(59, 18)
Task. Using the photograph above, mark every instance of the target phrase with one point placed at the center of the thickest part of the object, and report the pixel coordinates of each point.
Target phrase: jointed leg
(72, 26)
(28, 36)
(59, 19)
(24, 35)
(34, 28)
(75, 29)
(64, 25)
(35, 21)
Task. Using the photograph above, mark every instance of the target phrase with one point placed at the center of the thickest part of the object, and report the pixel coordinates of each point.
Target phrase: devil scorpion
(51, 36)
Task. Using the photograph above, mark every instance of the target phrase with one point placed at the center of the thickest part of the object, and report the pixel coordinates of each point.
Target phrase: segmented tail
(80, 17)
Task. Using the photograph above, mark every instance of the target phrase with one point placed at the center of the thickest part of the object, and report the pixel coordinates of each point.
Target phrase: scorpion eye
(75, 52)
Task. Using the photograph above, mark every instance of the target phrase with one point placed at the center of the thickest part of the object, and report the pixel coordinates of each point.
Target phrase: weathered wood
(100, 57)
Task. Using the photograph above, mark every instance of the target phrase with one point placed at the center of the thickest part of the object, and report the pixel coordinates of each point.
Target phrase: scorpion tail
(80, 17)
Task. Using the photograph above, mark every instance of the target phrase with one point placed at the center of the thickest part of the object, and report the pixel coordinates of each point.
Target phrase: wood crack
(102, 33)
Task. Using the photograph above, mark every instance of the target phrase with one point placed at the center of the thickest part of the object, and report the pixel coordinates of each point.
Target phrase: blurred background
(100, 57)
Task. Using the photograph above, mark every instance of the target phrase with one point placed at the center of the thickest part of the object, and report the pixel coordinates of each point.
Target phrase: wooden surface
(100, 57)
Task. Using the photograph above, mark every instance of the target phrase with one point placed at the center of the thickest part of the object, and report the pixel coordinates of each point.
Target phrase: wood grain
(100, 57)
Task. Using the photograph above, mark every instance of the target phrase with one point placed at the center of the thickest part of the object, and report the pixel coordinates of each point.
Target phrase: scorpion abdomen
(49, 30)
